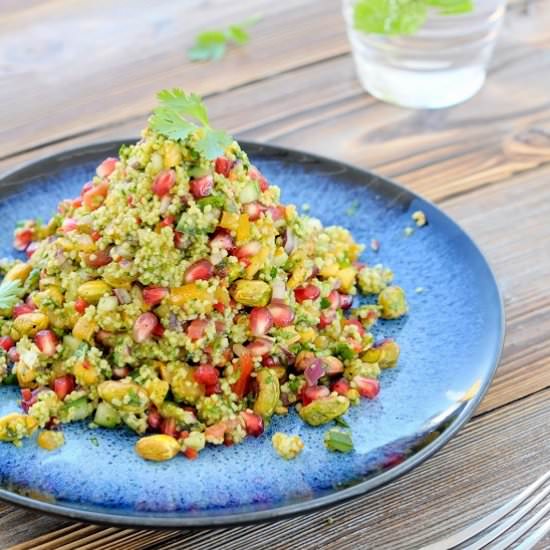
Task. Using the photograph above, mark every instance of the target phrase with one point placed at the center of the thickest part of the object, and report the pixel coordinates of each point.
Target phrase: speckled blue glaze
(449, 343)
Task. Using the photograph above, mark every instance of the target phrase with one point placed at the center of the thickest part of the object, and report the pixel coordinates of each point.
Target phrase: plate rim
(159, 520)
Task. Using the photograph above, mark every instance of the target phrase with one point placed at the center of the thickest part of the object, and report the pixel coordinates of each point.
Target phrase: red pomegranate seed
(356, 323)
(80, 305)
(269, 361)
(46, 341)
(201, 187)
(260, 346)
(179, 240)
(260, 321)
(367, 387)
(222, 239)
(214, 388)
(96, 235)
(255, 174)
(309, 292)
(98, 259)
(158, 331)
(31, 249)
(312, 393)
(69, 224)
(223, 166)
(168, 221)
(154, 419)
(168, 426)
(196, 329)
(340, 386)
(346, 300)
(144, 326)
(191, 454)
(86, 187)
(26, 394)
(334, 299)
(21, 309)
(22, 239)
(64, 385)
(254, 210)
(281, 313)
(106, 168)
(164, 182)
(201, 270)
(153, 295)
(219, 307)
(13, 355)
(326, 318)
(250, 249)
(206, 374)
(277, 212)
(253, 423)
(6, 343)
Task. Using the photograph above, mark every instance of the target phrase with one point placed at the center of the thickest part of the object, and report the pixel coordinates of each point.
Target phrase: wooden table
(75, 72)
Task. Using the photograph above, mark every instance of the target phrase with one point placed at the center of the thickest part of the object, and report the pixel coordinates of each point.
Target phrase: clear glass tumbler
(441, 64)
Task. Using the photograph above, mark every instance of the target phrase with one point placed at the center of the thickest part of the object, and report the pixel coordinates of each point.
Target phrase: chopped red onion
(314, 372)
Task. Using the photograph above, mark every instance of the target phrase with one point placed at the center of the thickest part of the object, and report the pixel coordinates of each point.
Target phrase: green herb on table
(351, 211)
(213, 44)
(338, 440)
(394, 17)
(177, 116)
(341, 422)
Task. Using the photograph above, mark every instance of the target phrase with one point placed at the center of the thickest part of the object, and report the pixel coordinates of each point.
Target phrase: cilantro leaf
(338, 440)
(185, 104)
(212, 44)
(168, 122)
(213, 143)
(10, 292)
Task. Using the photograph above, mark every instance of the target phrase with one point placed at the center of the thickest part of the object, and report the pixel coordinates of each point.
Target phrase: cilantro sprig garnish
(10, 292)
(212, 45)
(395, 17)
(181, 114)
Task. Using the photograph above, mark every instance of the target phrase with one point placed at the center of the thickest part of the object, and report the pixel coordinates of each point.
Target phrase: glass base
(432, 89)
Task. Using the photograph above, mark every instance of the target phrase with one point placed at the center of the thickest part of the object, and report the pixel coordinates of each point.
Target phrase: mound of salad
(177, 296)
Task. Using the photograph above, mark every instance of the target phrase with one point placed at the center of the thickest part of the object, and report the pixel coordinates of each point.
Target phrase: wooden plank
(120, 54)
(458, 485)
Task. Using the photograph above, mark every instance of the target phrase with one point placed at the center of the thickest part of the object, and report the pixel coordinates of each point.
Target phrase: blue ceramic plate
(450, 346)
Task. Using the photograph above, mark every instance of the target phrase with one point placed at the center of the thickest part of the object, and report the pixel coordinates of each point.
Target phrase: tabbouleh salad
(178, 297)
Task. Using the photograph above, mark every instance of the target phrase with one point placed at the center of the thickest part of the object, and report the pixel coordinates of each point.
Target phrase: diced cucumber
(79, 409)
(249, 193)
(106, 416)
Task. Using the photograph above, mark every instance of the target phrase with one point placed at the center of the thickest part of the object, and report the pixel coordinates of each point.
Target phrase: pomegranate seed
(46, 341)
(255, 174)
(168, 221)
(196, 329)
(98, 259)
(154, 419)
(334, 299)
(260, 346)
(201, 187)
(202, 269)
(179, 240)
(326, 318)
(22, 239)
(144, 326)
(121, 372)
(254, 210)
(191, 454)
(277, 212)
(64, 385)
(367, 387)
(86, 187)
(69, 224)
(223, 166)
(250, 249)
(6, 343)
(260, 321)
(206, 374)
(168, 426)
(80, 305)
(164, 182)
(312, 393)
(26, 394)
(309, 292)
(340, 386)
(21, 309)
(346, 300)
(269, 361)
(106, 168)
(158, 331)
(253, 423)
(222, 239)
(13, 355)
(153, 295)
(281, 313)
(355, 323)
(212, 389)
(96, 235)
(28, 398)
(219, 307)
(95, 196)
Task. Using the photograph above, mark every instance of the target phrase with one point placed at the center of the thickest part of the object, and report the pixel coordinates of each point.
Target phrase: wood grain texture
(486, 162)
